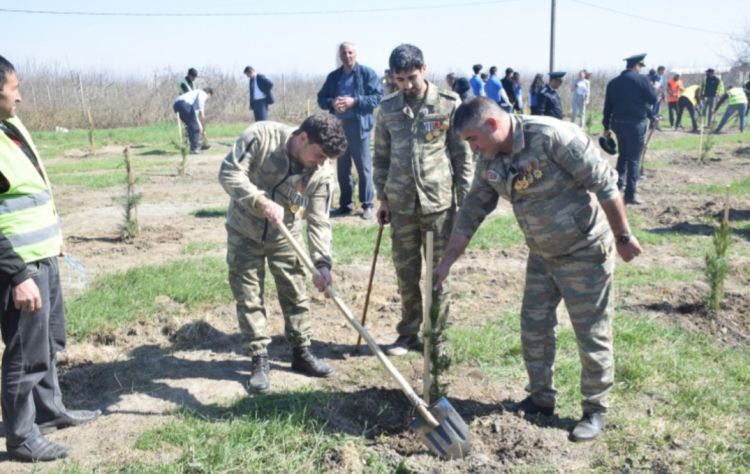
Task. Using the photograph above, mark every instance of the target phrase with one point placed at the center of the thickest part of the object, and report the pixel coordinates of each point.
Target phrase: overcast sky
(300, 37)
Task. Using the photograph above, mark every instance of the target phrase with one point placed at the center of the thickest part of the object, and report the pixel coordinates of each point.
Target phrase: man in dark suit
(261, 95)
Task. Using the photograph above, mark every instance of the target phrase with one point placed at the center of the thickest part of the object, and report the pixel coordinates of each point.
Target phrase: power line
(272, 13)
(666, 23)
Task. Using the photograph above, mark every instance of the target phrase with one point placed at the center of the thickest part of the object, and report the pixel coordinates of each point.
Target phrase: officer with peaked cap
(549, 98)
(628, 102)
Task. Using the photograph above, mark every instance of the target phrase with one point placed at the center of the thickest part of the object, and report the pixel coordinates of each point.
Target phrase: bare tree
(742, 48)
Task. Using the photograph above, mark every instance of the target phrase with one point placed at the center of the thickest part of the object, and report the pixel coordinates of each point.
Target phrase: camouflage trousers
(246, 259)
(584, 280)
(407, 243)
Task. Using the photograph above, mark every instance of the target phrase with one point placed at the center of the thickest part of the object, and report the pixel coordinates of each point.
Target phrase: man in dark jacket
(629, 100)
(261, 95)
(508, 85)
(187, 84)
(548, 100)
(351, 92)
(711, 88)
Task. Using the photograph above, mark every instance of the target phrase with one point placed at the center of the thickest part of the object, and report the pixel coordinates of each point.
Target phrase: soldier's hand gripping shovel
(439, 427)
(369, 283)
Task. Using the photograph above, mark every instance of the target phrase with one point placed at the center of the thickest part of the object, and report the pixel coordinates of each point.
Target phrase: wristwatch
(623, 238)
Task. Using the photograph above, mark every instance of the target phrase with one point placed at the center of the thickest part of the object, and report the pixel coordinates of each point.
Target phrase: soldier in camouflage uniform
(276, 175)
(422, 170)
(566, 201)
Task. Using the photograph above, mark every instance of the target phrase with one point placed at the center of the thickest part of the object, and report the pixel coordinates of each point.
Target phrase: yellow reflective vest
(690, 93)
(736, 95)
(28, 218)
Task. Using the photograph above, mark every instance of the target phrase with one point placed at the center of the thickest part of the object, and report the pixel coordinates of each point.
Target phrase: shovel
(439, 427)
(369, 283)
(645, 148)
(204, 141)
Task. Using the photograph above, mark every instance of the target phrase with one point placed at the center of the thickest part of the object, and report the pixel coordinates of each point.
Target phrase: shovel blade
(450, 439)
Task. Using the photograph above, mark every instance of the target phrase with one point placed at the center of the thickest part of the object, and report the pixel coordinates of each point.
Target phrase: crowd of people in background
(702, 99)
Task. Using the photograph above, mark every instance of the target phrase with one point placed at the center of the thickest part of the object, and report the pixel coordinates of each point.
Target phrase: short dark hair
(476, 68)
(5, 68)
(326, 130)
(473, 112)
(192, 72)
(248, 69)
(508, 70)
(662, 68)
(493, 70)
(406, 57)
(208, 90)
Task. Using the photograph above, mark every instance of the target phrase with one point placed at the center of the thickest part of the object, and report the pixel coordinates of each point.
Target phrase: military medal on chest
(298, 199)
(434, 128)
(528, 175)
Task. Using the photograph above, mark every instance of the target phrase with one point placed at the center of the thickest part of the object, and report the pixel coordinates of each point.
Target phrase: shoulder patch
(448, 94)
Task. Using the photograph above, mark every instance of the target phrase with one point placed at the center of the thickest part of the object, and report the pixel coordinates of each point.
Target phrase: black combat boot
(258, 381)
(304, 362)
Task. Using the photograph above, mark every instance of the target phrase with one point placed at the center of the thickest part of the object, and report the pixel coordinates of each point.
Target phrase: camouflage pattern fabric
(423, 169)
(418, 157)
(408, 240)
(584, 281)
(550, 178)
(555, 178)
(246, 259)
(259, 169)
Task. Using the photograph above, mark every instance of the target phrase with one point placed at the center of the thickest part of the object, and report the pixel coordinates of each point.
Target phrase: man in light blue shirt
(477, 84)
(494, 90)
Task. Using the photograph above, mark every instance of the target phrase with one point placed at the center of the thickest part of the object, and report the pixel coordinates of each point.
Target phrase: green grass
(193, 248)
(495, 346)
(738, 187)
(357, 243)
(273, 433)
(103, 172)
(629, 276)
(122, 298)
(496, 233)
(686, 245)
(690, 142)
(210, 212)
(106, 163)
(159, 137)
(91, 180)
(698, 390)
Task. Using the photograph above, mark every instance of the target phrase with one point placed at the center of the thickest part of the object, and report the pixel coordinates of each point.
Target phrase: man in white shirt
(191, 107)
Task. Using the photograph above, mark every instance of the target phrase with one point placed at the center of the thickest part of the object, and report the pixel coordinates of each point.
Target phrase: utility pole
(552, 39)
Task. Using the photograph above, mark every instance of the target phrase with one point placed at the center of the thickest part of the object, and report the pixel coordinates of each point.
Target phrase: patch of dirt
(729, 325)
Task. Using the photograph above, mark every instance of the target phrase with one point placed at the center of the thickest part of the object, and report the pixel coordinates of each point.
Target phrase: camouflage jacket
(420, 158)
(260, 168)
(550, 177)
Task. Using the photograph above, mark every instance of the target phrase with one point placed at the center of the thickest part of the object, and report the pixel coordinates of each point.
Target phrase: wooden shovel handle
(369, 283)
(417, 402)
